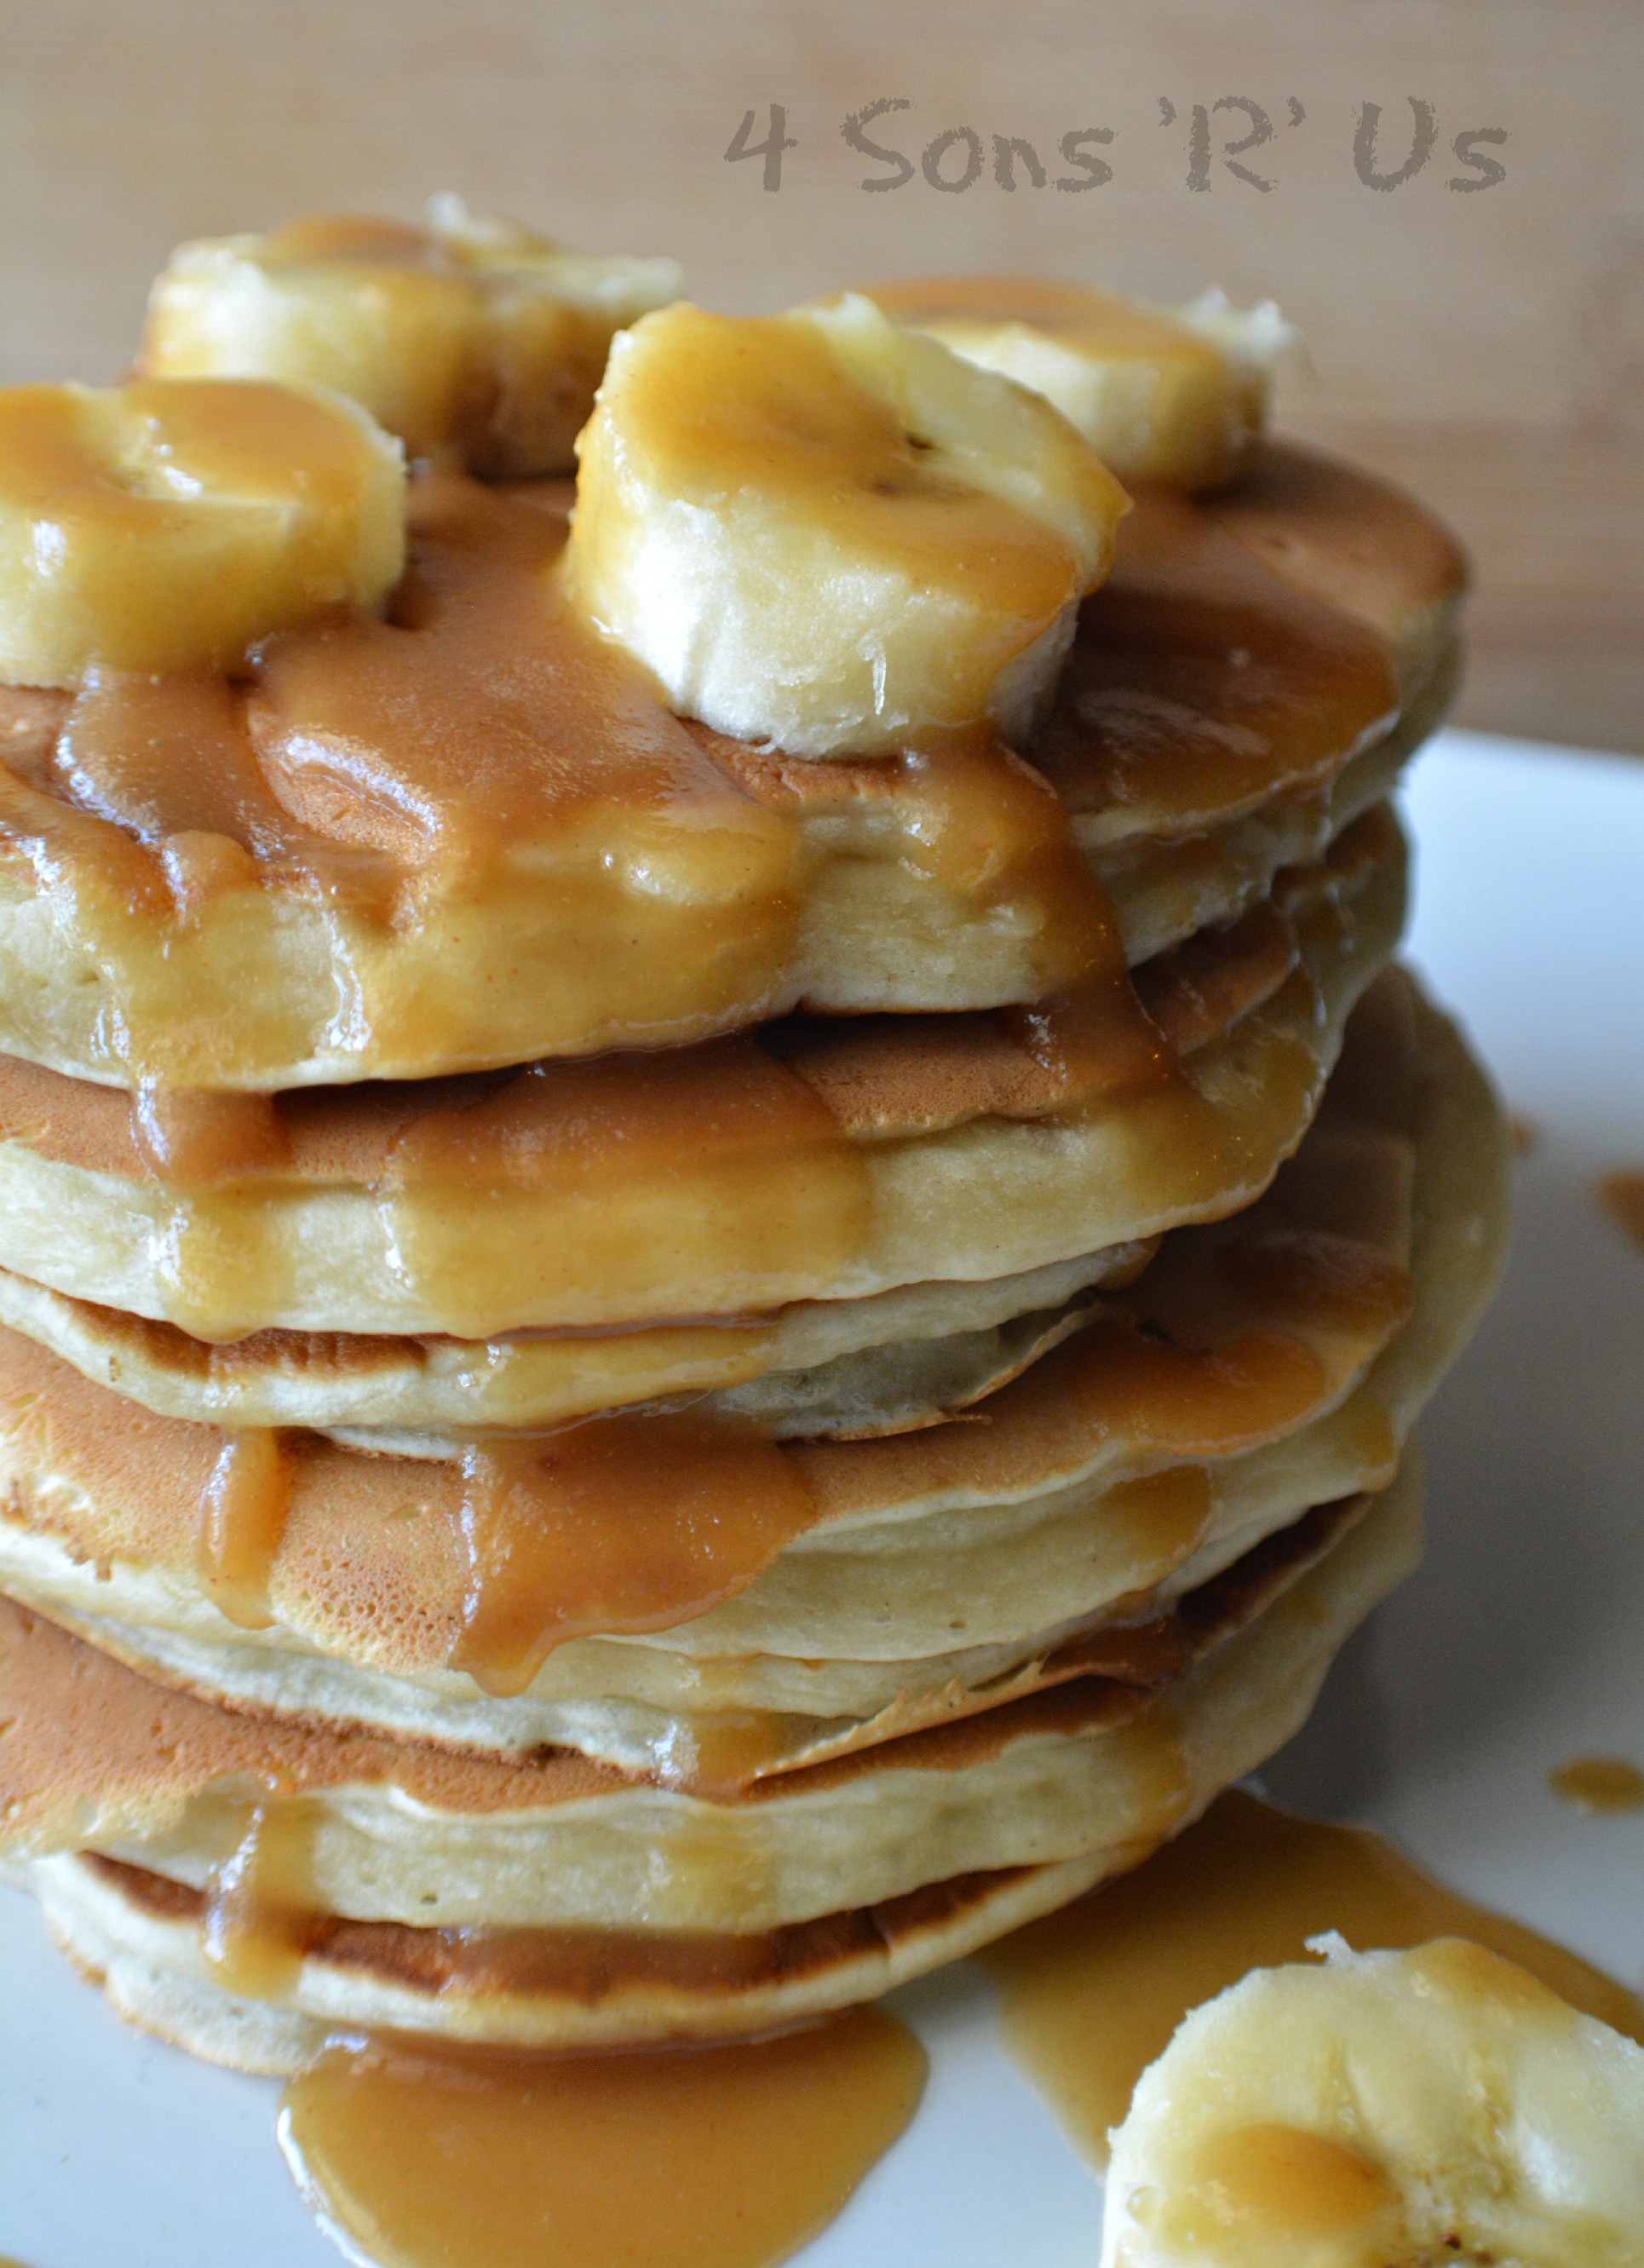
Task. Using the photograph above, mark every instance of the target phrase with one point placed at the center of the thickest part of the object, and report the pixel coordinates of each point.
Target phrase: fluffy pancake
(307, 877)
(1259, 1366)
(564, 1197)
(1072, 1785)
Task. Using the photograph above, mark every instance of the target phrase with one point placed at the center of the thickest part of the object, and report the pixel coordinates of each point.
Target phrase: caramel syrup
(621, 1174)
(262, 1898)
(988, 829)
(565, 1192)
(623, 1523)
(1622, 1197)
(688, 2157)
(242, 1519)
(1278, 2183)
(1092, 1995)
(723, 2156)
(1599, 1784)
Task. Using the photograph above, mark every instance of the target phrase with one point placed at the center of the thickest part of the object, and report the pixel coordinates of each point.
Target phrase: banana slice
(826, 533)
(470, 333)
(1383, 2110)
(167, 524)
(1177, 395)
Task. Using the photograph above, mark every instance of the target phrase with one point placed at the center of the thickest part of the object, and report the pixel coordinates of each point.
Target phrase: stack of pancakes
(646, 1386)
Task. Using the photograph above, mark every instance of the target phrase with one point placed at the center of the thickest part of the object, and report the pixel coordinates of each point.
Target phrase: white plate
(1520, 1644)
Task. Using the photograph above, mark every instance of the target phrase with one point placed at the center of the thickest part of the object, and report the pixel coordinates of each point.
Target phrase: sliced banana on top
(1176, 394)
(826, 533)
(167, 524)
(1383, 2110)
(471, 333)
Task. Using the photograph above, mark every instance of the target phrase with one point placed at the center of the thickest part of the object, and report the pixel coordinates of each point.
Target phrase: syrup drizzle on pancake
(641, 1522)
(1092, 1994)
(689, 2157)
(189, 1137)
(690, 1163)
(976, 820)
(242, 1519)
(262, 1898)
(87, 1739)
(376, 765)
(625, 1523)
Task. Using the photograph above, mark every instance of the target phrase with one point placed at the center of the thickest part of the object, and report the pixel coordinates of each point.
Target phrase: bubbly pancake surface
(1170, 719)
(472, 834)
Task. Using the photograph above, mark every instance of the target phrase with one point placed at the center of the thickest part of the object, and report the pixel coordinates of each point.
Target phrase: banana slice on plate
(1383, 2110)
(167, 524)
(471, 335)
(1177, 395)
(823, 532)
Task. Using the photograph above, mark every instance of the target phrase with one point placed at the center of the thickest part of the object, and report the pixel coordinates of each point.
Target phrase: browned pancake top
(1346, 535)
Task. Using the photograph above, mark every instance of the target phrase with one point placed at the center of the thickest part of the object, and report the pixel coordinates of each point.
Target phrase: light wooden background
(1487, 347)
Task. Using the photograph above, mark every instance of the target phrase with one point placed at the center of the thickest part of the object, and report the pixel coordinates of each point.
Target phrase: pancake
(960, 1338)
(853, 1161)
(944, 1069)
(1257, 1368)
(648, 1382)
(302, 875)
(1164, 890)
(1358, 540)
(546, 1910)
(957, 1334)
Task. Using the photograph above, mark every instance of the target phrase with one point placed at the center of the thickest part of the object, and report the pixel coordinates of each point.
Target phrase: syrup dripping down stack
(652, 1380)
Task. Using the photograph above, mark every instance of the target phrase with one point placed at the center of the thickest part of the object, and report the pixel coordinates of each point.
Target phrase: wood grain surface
(1486, 344)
